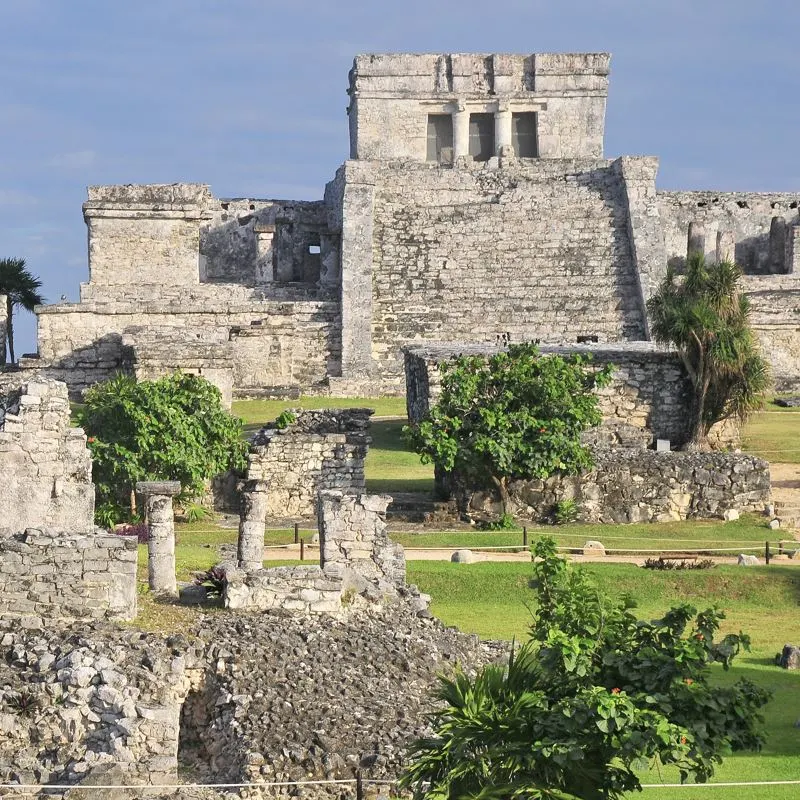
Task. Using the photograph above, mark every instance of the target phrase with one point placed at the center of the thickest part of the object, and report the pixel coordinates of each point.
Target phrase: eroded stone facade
(476, 202)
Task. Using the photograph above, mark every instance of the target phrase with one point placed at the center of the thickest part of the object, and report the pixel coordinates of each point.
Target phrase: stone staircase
(786, 496)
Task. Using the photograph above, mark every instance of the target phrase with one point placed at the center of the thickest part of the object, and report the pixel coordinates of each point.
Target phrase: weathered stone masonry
(476, 202)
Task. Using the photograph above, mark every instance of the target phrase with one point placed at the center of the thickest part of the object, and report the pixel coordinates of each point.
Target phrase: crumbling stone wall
(649, 390)
(45, 465)
(300, 589)
(48, 575)
(629, 485)
(320, 450)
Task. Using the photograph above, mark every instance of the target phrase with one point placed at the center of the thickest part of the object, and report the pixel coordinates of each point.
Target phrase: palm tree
(21, 289)
(704, 315)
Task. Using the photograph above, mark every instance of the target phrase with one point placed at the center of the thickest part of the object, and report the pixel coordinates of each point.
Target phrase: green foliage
(592, 695)
(505, 522)
(285, 419)
(173, 428)
(21, 289)
(672, 564)
(516, 414)
(564, 512)
(194, 512)
(707, 319)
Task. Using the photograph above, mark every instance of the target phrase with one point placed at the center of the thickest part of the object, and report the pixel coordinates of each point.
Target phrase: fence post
(524, 536)
(296, 533)
(302, 549)
(780, 547)
(359, 786)
(766, 552)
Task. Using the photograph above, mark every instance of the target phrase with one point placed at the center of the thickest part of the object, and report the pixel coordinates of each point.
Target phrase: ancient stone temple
(476, 202)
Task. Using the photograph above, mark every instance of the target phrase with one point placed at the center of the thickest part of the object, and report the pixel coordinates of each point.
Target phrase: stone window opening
(523, 134)
(440, 138)
(481, 136)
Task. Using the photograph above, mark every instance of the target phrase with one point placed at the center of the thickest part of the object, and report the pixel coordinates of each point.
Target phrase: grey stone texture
(252, 523)
(263, 295)
(161, 540)
(46, 575)
(646, 400)
(319, 451)
(629, 485)
(45, 465)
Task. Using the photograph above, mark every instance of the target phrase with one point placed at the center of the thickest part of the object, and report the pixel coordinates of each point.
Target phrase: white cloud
(78, 159)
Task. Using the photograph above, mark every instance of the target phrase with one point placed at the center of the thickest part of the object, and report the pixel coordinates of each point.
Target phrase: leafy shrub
(194, 512)
(213, 580)
(171, 429)
(664, 563)
(564, 512)
(285, 419)
(516, 414)
(504, 522)
(593, 695)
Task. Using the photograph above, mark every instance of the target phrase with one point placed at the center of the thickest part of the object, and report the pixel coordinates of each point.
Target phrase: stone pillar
(330, 274)
(726, 246)
(777, 246)
(696, 239)
(265, 235)
(793, 250)
(252, 519)
(461, 132)
(161, 544)
(502, 131)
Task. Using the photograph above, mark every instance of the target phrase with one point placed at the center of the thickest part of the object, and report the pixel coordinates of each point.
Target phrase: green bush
(173, 428)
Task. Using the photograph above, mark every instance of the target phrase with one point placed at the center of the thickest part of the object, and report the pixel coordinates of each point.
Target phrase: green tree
(516, 414)
(21, 289)
(173, 428)
(593, 695)
(705, 316)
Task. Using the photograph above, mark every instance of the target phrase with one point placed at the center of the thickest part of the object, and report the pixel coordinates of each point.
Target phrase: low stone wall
(646, 486)
(307, 590)
(48, 575)
(649, 390)
(45, 465)
(320, 451)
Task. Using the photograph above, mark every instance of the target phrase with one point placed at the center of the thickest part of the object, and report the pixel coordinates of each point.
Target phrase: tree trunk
(502, 488)
(9, 330)
(698, 431)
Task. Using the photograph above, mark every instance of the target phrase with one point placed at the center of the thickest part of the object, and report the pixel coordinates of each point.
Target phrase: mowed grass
(774, 434)
(494, 601)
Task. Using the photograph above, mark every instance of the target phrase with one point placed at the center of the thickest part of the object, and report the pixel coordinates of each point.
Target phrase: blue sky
(249, 95)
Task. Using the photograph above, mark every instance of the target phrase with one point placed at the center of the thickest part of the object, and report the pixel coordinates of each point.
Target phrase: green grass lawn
(492, 600)
(774, 434)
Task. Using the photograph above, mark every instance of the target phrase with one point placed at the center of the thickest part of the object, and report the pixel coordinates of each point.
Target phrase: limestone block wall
(304, 590)
(647, 486)
(540, 249)
(649, 390)
(352, 537)
(45, 465)
(48, 575)
(321, 450)
(392, 94)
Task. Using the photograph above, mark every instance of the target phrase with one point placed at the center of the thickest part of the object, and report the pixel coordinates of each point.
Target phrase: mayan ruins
(470, 176)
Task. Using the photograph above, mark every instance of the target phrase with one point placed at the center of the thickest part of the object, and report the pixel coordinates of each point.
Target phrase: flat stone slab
(163, 488)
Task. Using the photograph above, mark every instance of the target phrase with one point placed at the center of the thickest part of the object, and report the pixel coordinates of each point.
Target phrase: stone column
(265, 235)
(793, 250)
(461, 132)
(161, 544)
(726, 246)
(696, 239)
(252, 519)
(502, 131)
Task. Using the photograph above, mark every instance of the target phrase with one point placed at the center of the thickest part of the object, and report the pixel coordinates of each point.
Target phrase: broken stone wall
(646, 486)
(300, 589)
(49, 575)
(45, 465)
(320, 450)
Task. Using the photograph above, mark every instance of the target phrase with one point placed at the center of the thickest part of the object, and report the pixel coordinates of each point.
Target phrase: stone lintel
(158, 488)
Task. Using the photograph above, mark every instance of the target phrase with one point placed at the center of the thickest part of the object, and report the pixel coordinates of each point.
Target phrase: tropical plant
(591, 697)
(21, 289)
(515, 414)
(705, 316)
(173, 428)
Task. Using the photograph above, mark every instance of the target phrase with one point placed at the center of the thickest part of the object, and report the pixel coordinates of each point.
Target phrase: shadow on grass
(421, 486)
(387, 434)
